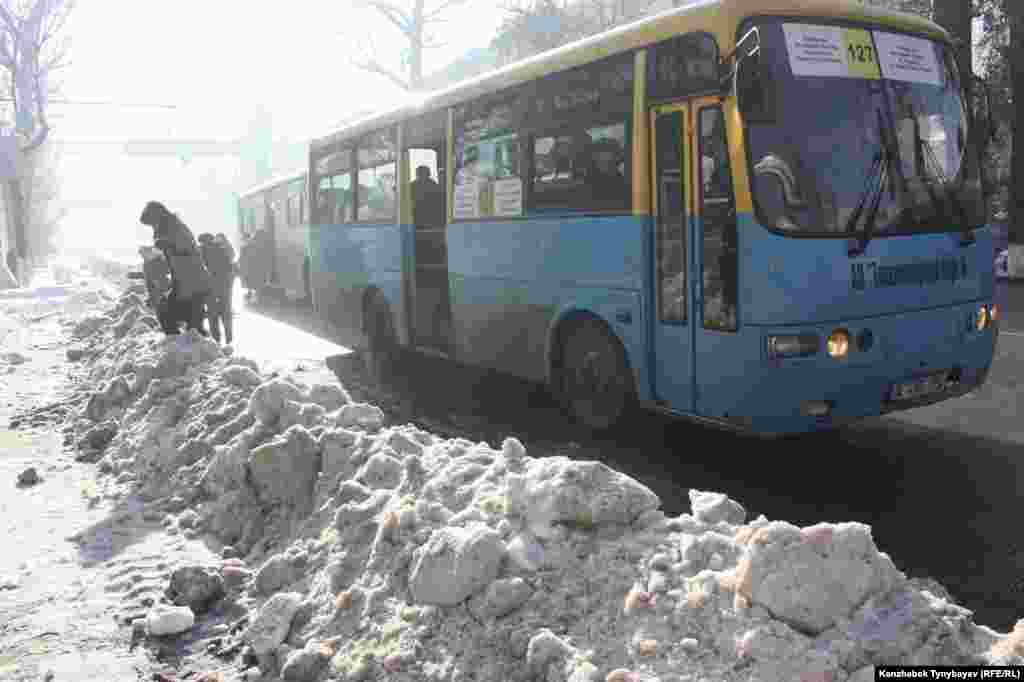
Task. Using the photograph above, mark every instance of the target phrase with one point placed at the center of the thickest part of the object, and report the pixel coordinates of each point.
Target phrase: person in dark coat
(157, 275)
(190, 280)
(219, 256)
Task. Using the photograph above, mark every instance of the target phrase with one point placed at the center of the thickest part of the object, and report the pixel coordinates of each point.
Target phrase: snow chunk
(269, 398)
(303, 665)
(544, 648)
(381, 471)
(336, 449)
(240, 375)
(225, 432)
(226, 470)
(454, 564)
(811, 585)
(711, 508)
(355, 513)
(587, 493)
(285, 469)
(169, 620)
(90, 324)
(271, 626)
(111, 395)
(501, 598)
(127, 320)
(274, 574)
(99, 436)
(362, 415)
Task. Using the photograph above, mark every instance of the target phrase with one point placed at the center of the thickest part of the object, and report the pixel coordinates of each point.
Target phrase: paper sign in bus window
(466, 202)
(508, 197)
(908, 59)
(830, 51)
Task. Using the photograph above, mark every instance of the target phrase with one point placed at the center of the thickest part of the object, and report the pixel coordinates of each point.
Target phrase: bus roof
(720, 18)
(270, 184)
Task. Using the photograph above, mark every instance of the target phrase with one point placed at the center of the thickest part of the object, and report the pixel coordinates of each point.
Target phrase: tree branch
(445, 5)
(373, 66)
(396, 15)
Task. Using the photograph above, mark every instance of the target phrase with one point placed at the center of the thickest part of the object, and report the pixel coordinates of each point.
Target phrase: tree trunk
(416, 56)
(16, 215)
(955, 17)
(1015, 11)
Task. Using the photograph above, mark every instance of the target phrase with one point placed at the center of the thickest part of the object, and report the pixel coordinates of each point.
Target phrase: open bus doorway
(427, 182)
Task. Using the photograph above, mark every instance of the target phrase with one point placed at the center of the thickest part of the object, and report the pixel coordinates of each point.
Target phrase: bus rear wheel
(594, 383)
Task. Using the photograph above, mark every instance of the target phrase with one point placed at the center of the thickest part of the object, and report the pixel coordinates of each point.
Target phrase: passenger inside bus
(427, 200)
(428, 216)
(606, 181)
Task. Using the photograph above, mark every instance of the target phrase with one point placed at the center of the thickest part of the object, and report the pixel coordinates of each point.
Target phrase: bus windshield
(862, 117)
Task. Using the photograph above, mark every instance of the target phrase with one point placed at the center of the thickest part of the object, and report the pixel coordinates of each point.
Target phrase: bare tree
(40, 191)
(31, 51)
(533, 26)
(412, 19)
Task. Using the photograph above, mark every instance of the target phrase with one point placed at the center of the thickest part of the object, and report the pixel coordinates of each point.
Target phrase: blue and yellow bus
(273, 223)
(761, 214)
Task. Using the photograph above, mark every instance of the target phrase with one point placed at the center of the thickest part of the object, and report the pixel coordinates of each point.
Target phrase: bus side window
(719, 223)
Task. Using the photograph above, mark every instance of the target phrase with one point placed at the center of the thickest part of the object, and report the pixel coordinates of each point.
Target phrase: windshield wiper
(950, 190)
(875, 185)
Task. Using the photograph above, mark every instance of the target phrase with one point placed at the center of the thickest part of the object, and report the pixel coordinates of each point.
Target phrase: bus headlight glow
(794, 345)
(993, 313)
(981, 320)
(839, 343)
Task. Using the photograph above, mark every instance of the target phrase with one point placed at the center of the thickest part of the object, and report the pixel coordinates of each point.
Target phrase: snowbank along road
(268, 526)
(954, 465)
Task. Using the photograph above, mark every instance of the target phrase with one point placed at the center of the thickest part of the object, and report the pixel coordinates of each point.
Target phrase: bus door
(718, 368)
(673, 325)
(432, 305)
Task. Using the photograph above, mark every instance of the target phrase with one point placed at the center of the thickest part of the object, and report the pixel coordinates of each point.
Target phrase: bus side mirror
(754, 89)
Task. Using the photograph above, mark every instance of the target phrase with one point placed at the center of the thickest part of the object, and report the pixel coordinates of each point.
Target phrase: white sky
(218, 61)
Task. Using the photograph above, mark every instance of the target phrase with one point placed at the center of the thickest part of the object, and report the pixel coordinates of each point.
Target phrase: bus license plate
(923, 386)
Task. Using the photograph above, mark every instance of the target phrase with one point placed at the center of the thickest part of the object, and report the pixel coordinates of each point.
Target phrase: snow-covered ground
(260, 524)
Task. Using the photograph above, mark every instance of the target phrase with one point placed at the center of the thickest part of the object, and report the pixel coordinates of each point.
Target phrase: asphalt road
(938, 485)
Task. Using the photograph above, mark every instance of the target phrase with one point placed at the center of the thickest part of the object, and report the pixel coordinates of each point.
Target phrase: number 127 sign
(831, 51)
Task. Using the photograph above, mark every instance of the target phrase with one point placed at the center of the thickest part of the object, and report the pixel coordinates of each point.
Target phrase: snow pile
(370, 551)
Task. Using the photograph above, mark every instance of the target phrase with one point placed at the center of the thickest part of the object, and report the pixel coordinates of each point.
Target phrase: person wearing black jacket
(219, 256)
(190, 280)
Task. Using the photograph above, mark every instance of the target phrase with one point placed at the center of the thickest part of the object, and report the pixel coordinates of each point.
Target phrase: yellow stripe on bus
(641, 139)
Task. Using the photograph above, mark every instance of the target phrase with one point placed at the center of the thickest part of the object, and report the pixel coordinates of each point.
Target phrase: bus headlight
(839, 343)
(993, 313)
(981, 319)
(793, 345)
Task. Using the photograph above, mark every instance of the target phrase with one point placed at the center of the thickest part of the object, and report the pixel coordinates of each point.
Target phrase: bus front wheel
(594, 383)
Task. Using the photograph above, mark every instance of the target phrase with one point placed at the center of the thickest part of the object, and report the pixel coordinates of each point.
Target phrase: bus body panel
(290, 254)
(905, 346)
(347, 260)
(511, 281)
(896, 274)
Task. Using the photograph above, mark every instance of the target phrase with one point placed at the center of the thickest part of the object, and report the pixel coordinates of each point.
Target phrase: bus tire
(594, 383)
(382, 349)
